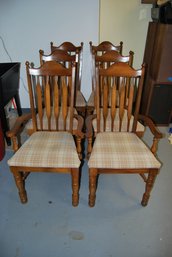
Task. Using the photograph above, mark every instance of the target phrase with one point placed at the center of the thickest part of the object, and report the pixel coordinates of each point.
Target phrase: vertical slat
(72, 95)
(48, 102)
(113, 105)
(121, 103)
(130, 104)
(139, 86)
(29, 79)
(98, 98)
(105, 104)
(40, 109)
(101, 90)
(56, 102)
(64, 102)
(127, 90)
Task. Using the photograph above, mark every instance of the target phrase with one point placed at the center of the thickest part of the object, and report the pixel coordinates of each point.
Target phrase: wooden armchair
(55, 144)
(118, 149)
(71, 49)
(104, 61)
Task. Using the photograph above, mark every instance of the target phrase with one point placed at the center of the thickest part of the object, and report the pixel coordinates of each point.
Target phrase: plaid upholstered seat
(121, 150)
(47, 149)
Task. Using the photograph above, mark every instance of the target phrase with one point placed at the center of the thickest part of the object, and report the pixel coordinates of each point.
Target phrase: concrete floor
(118, 226)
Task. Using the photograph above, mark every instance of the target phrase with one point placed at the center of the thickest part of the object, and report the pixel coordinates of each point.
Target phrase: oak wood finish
(129, 95)
(105, 46)
(104, 61)
(67, 57)
(51, 89)
(72, 49)
(97, 51)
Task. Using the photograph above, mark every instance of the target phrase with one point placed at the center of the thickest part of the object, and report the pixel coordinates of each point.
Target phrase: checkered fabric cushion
(140, 127)
(29, 125)
(47, 149)
(80, 100)
(121, 150)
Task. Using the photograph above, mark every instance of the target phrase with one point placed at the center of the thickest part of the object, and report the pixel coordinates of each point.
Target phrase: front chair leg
(20, 183)
(75, 186)
(92, 186)
(79, 147)
(149, 185)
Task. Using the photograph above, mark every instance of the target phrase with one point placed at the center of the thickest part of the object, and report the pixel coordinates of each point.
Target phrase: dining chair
(117, 149)
(55, 142)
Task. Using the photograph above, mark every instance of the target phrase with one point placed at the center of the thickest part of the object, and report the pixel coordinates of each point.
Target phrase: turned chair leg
(20, 183)
(92, 186)
(79, 147)
(89, 146)
(75, 186)
(149, 185)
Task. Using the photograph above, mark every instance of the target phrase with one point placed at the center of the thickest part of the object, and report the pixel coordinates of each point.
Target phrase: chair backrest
(112, 56)
(51, 92)
(100, 50)
(128, 95)
(104, 47)
(107, 59)
(72, 49)
(60, 56)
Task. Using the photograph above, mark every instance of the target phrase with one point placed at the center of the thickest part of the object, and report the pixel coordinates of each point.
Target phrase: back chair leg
(149, 185)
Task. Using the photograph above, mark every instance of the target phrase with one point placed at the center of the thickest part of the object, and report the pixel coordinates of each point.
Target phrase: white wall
(27, 26)
(127, 21)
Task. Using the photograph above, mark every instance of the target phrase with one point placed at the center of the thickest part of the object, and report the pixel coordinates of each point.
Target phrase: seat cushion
(140, 127)
(47, 149)
(121, 150)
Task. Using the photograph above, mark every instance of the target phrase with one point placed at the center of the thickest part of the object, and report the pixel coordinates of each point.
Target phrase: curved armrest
(80, 125)
(157, 135)
(19, 125)
(89, 128)
(148, 121)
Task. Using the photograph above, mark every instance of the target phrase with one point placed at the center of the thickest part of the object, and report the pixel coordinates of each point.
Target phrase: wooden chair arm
(88, 122)
(148, 121)
(157, 134)
(19, 125)
(80, 125)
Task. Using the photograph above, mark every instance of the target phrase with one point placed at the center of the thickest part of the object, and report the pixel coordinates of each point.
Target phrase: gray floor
(48, 225)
